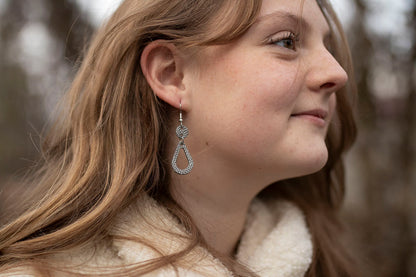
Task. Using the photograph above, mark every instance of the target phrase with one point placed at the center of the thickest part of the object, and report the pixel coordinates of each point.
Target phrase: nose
(325, 74)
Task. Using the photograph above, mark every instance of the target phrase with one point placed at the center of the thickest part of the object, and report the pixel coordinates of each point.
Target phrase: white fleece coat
(275, 242)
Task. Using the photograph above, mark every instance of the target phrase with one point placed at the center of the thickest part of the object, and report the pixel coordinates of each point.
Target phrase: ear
(162, 66)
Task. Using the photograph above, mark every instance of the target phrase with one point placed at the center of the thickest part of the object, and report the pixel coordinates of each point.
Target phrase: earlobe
(162, 67)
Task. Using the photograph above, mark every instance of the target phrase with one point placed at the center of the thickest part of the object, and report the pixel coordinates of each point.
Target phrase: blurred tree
(384, 157)
(23, 87)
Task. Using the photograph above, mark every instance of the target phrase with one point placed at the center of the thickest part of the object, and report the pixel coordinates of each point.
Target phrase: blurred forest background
(41, 40)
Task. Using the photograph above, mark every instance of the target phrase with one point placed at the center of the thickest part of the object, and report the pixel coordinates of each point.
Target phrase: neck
(217, 199)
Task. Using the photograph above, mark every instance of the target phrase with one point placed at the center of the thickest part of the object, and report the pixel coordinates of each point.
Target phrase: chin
(310, 162)
(316, 162)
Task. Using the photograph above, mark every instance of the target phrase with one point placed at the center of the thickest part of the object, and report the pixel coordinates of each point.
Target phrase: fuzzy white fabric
(275, 242)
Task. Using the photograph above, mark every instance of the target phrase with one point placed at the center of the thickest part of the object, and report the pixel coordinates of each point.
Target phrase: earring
(182, 132)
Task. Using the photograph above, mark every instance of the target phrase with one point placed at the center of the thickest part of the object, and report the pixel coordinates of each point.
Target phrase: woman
(201, 138)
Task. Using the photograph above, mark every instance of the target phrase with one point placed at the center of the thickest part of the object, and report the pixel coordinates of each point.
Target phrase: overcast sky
(98, 10)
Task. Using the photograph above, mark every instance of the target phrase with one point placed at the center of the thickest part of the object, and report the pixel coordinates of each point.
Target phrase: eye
(287, 40)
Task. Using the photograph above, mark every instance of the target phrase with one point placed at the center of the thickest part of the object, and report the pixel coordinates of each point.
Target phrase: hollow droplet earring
(182, 132)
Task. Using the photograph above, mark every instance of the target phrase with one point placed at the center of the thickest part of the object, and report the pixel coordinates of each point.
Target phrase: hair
(108, 146)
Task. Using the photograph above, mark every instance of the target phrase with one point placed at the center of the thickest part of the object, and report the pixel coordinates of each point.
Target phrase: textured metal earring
(182, 132)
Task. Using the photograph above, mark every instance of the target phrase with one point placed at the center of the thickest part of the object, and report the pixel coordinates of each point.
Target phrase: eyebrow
(283, 15)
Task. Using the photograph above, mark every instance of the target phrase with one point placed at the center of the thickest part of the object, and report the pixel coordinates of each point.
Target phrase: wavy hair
(107, 148)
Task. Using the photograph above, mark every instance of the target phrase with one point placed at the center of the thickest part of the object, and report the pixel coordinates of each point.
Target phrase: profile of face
(263, 103)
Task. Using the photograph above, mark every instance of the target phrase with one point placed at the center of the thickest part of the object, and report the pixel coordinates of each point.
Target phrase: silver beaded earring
(182, 132)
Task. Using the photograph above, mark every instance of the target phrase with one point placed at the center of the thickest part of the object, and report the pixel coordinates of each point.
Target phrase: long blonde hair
(108, 146)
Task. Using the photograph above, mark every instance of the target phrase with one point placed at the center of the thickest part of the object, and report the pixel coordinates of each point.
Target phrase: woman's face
(263, 103)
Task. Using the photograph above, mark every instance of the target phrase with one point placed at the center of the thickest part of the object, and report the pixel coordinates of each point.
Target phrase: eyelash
(285, 38)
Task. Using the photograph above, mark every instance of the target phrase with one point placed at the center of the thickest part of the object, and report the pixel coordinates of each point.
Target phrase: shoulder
(19, 271)
(138, 237)
(72, 262)
(146, 231)
(77, 263)
(163, 272)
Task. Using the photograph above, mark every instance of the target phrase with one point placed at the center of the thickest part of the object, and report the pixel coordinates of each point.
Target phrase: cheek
(256, 85)
(245, 97)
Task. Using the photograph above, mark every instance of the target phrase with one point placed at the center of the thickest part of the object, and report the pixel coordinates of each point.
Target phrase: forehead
(305, 12)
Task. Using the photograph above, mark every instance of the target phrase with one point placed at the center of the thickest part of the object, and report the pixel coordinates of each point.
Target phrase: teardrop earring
(182, 132)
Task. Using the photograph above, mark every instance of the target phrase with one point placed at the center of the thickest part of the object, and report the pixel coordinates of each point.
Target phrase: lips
(322, 114)
(316, 116)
